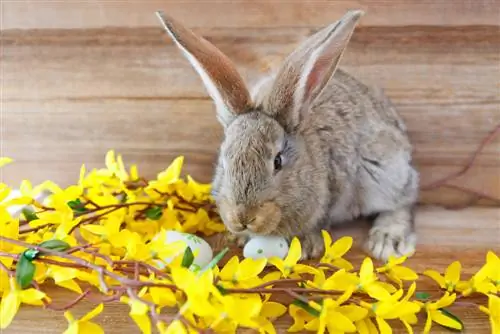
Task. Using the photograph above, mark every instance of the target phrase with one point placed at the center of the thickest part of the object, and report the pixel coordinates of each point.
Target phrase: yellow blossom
(369, 283)
(335, 251)
(64, 277)
(396, 272)
(139, 311)
(339, 281)
(493, 311)
(268, 313)
(12, 300)
(482, 280)
(242, 274)
(450, 279)
(289, 266)
(197, 287)
(241, 310)
(435, 313)
(9, 228)
(394, 308)
(335, 317)
(366, 326)
(5, 161)
(84, 325)
(300, 318)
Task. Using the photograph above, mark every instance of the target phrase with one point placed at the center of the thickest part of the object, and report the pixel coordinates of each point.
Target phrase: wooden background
(81, 77)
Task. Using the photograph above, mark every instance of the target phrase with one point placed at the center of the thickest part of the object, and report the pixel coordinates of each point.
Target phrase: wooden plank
(87, 91)
(444, 236)
(44, 14)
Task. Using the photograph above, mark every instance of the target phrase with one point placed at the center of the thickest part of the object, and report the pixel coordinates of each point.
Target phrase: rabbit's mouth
(259, 221)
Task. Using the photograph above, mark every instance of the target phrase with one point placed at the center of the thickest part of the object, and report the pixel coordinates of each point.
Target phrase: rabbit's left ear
(307, 70)
(219, 75)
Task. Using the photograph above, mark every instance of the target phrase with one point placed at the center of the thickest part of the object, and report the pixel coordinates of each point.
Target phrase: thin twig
(468, 165)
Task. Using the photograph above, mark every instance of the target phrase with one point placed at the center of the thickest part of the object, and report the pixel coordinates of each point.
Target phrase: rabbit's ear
(219, 75)
(306, 71)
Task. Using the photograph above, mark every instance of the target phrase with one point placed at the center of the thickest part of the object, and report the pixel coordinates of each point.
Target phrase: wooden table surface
(444, 236)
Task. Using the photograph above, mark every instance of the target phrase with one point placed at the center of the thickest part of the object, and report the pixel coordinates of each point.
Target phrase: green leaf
(29, 214)
(31, 254)
(222, 290)
(215, 260)
(154, 213)
(452, 316)
(77, 206)
(422, 295)
(124, 198)
(188, 258)
(25, 271)
(306, 307)
(57, 245)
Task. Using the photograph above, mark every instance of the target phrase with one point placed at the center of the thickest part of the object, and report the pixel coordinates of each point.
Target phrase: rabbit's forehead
(253, 132)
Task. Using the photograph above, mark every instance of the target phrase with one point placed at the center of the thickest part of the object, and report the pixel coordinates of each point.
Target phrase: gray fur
(345, 153)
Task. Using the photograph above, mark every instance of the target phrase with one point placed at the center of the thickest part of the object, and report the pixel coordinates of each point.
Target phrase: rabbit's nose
(246, 221)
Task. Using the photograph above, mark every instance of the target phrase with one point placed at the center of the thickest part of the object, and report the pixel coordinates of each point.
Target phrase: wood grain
(87, 91)
(444, 236)
(71, 14)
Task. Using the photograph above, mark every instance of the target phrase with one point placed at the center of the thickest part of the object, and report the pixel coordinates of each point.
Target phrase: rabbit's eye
(277, 162)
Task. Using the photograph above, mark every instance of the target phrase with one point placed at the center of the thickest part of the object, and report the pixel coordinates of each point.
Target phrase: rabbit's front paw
(391, 240)
(312, 246)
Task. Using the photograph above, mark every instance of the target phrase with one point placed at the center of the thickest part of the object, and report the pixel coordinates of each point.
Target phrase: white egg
(265, 247)
(16, 210)
(196, 244)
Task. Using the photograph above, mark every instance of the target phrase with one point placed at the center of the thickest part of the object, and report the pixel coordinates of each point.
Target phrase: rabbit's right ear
(219, 75)
(306, 71)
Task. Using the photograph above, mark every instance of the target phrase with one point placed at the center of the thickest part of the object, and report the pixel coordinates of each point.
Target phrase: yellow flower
(334, 252)
(12, 300)
(300, 318)
(9, 228)
(366, 326)
(5, 161)
(201, 191)
(435, 313)
(493, 311)
(394, 308)
(289, 266)
(64, 277)
(482, 280)
(450, 279)
(396, 272)
(116, 166)
(198, 287)
(4, 192)
(369, 283)
(242, 274)
(167, 178)
(242, 310)
(335, 317)
(338, 281)
(493, 263)
(175, 327)
(139, 312)
(84, 325)
(162, 296)
(269, 312)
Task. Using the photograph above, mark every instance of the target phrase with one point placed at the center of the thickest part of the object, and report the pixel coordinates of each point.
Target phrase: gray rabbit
(309, 147)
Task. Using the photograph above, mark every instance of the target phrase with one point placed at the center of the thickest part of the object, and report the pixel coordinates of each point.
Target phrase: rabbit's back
(366, 148)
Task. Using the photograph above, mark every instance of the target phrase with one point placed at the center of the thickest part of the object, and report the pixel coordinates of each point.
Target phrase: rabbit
(308, 147)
